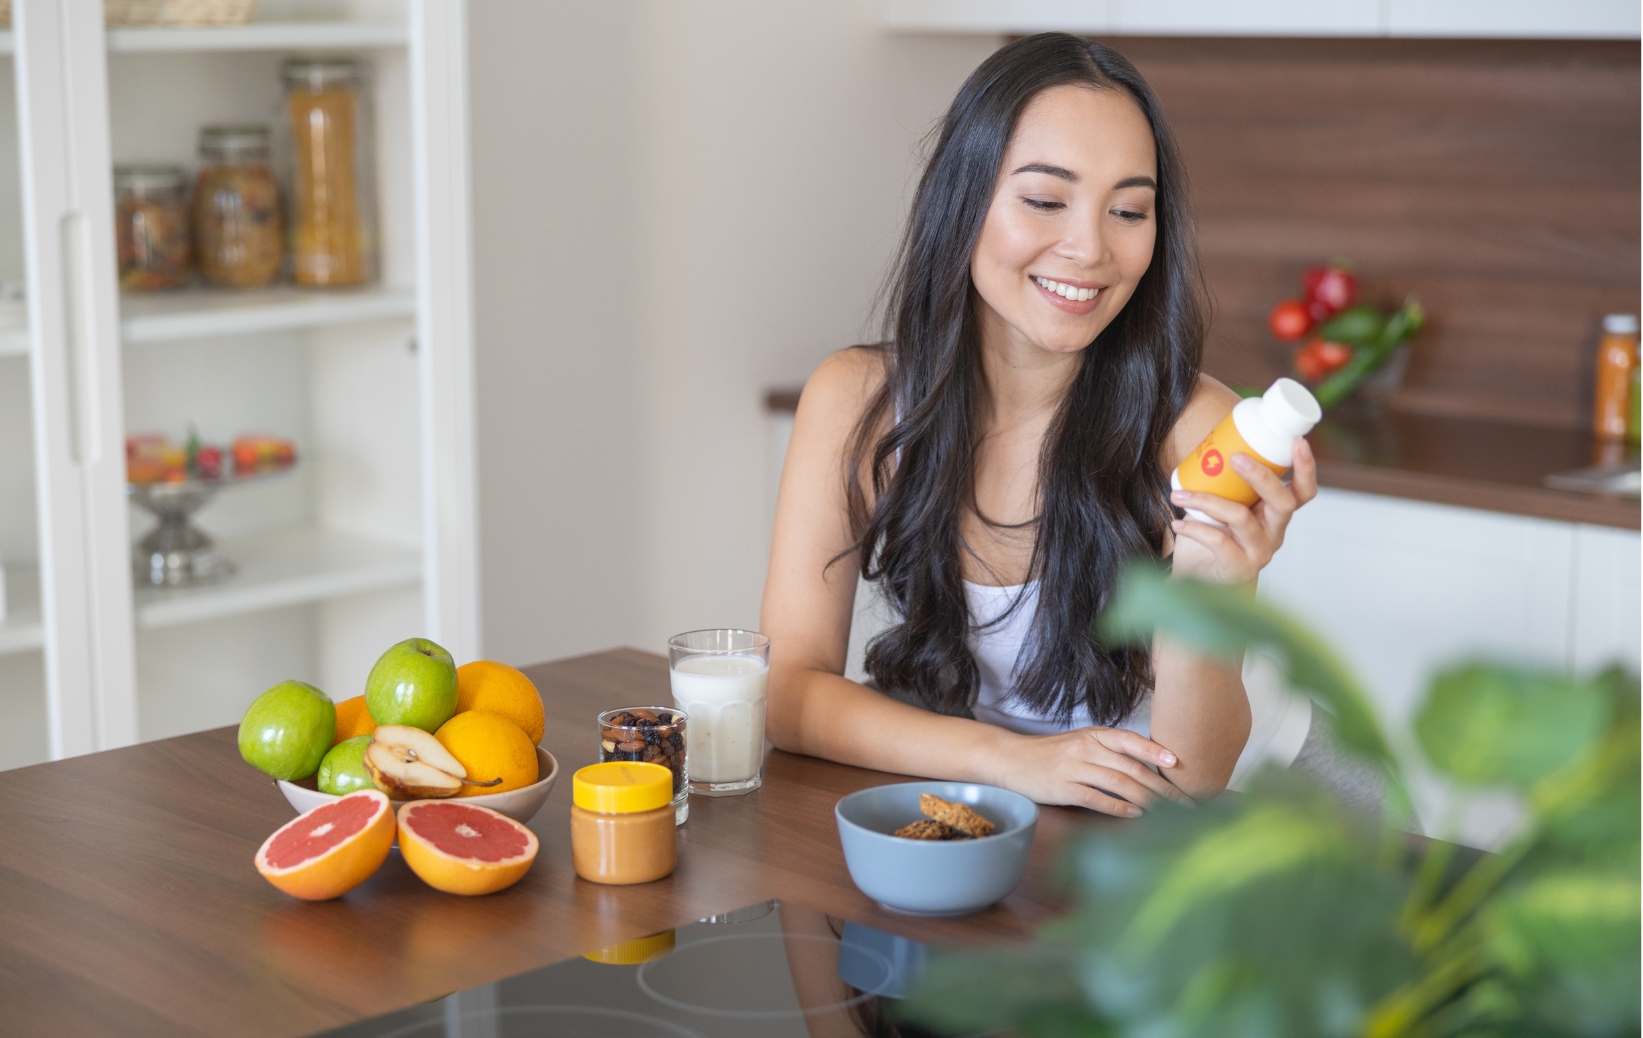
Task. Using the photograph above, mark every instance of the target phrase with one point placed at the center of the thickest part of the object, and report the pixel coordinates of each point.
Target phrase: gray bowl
(934, 877)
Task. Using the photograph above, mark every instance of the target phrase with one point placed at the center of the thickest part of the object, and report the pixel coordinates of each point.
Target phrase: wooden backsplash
(1498, 181)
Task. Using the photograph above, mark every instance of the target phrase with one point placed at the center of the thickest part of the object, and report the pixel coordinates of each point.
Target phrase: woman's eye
(1129, 215)
(1043, 206)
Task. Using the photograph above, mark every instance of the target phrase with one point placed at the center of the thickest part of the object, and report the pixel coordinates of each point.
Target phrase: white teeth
(1077, 295)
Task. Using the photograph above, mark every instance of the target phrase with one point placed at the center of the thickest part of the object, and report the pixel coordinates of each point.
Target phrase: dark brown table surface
(129, 904)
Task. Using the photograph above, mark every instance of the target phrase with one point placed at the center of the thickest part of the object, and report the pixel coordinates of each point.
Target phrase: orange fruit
(464, 848)
(499, 688)
(489, 746)
(353, 719)
(326, 852)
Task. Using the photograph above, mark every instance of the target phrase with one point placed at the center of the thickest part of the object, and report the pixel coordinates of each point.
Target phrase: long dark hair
(1103, 493)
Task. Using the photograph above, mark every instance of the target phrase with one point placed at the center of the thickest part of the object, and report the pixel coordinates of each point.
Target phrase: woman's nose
(1083, 245)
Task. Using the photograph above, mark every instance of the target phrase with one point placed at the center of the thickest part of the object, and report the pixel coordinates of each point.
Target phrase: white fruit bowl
(519, 804)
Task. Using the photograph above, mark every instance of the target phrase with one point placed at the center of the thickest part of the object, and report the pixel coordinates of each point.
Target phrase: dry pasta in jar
(238, 235)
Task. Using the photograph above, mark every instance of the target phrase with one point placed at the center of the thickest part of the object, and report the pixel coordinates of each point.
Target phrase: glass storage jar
(331, 200)
(621, 823)
(151, 227)
(237, 232)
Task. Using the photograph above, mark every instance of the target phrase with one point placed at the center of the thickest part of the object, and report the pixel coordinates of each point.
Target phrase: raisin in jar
(650, 735)
(151, 227)
(238, 233)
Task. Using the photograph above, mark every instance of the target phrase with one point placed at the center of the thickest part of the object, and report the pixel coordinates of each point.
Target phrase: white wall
(678, 205)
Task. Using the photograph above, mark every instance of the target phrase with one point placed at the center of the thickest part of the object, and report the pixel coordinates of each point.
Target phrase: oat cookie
(959, 816)
(929, 829)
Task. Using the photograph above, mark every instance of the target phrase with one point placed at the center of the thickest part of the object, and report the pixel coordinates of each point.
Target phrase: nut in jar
(649, 735)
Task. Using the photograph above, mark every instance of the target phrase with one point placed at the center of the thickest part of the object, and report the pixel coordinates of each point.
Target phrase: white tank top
(996, 642)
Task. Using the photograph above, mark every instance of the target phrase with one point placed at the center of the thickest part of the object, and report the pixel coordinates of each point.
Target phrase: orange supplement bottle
(1264, 427)
(1616, 357)
(621, 822)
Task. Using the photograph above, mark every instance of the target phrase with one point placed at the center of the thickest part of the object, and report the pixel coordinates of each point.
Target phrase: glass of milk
(720, 679)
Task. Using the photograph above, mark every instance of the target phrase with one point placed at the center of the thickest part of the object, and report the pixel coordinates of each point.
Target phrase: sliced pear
(409, 764)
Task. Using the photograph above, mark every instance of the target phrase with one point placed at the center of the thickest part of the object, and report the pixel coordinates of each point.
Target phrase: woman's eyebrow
(1136, 182)
(1054, 171)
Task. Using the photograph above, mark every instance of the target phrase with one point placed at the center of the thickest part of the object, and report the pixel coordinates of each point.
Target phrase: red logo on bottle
(1211, 462)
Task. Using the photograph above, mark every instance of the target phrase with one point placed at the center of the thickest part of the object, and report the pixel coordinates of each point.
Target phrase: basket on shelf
(176, 12)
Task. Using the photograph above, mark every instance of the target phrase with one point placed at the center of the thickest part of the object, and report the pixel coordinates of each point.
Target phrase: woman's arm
(814, 709)
(1199, 706)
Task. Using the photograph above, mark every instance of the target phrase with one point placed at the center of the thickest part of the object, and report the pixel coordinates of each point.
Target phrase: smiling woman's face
(1071, 226)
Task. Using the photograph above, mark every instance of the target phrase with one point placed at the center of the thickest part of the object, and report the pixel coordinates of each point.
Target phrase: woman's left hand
(1236, 554)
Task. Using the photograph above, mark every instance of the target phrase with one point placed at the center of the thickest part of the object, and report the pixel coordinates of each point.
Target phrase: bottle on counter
(237, 227)
(621, 823)
(151, 227)
(330, 189)
(1264, 427)
(1616, 360)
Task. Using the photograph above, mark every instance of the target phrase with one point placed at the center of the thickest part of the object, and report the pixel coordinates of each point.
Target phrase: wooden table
(129, 904)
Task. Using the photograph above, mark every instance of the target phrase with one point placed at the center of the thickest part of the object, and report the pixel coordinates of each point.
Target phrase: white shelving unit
(373, 537)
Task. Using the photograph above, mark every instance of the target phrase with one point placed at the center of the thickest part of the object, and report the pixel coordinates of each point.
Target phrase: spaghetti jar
(1616, 357)
(1264, 427)
(151, 227)
(237, 232)
(621, 823)
(330, 188)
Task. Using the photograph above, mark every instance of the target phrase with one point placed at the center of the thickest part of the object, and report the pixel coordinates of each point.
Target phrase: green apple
(413, 683)
(288, 729)
(343, 769)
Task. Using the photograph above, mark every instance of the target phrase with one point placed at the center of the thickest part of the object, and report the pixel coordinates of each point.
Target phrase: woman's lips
(1060, 302)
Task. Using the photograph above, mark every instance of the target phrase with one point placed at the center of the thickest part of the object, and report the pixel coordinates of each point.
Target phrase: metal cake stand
(177, 553)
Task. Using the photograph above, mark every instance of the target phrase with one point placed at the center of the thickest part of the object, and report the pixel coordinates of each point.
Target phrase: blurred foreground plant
(1280, 913)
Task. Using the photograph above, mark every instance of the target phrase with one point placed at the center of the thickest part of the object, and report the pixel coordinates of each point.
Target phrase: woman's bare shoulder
(1211, 401)
(839, 390)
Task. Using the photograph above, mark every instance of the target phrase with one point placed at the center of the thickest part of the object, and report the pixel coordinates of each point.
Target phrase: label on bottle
(1208, 469)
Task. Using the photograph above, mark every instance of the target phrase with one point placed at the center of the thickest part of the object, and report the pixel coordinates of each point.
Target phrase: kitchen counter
(1497, 466)
(132, 907)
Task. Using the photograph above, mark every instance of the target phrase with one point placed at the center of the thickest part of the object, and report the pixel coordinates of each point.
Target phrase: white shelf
(284, 568)
(22, 630)
(305, 36)
(199, 312)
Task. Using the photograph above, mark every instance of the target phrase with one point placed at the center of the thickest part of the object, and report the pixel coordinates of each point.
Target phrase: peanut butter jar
(621, 822)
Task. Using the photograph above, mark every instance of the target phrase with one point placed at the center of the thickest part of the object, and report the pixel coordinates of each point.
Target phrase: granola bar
(958, 816)
(929, 829)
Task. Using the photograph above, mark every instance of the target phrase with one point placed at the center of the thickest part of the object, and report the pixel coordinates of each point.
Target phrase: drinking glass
(653, 735)
(720, 678)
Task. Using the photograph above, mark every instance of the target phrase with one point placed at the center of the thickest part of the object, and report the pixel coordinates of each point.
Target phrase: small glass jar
(151, 227)
(237, 226)
(621, 823)
(331, 200)
(653, 735)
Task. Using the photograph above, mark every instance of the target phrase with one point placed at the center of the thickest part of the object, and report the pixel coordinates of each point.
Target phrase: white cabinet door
(74, 366)
(999, 16)
(1534, 19)
(1272, 18)
(1607, 616)
(1404, 588)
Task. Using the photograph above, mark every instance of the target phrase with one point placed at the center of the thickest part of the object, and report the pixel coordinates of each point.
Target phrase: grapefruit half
(330, 850)
(464, 848)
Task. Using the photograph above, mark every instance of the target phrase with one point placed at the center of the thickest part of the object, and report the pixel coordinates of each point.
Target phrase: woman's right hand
(1103, 769)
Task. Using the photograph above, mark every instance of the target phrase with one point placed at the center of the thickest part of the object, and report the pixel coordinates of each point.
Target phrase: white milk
(725, 697)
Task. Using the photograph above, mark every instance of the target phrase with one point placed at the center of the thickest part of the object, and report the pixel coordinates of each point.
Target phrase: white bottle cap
(1288, 409)
(1620, 324)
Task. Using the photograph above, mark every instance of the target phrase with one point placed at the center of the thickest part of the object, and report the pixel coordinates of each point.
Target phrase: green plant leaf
(1484, 724)
(1221, 621)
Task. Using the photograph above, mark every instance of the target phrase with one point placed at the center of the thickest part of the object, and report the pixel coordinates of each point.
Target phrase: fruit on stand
(500, 689)
(287, 730)
(1320, 357)
(408, 763)
(263, 454)
(153, 458)
(463, 848)
(353, 719)
(343, 770)
(413, 683)
(1289, 320)
(489, 746)
(330, 850)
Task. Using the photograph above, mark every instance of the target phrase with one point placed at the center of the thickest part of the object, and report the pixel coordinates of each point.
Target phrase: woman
(995, 463)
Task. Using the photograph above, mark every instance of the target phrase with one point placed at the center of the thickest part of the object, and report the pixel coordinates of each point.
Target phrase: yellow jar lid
(631, 953)
(619, 787)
